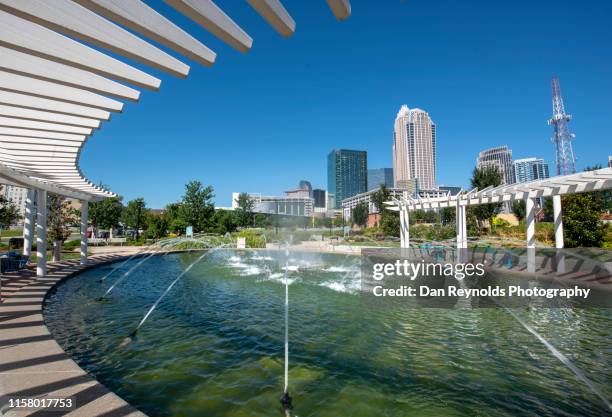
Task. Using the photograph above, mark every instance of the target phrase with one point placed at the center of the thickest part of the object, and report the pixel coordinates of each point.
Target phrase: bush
(253, 240)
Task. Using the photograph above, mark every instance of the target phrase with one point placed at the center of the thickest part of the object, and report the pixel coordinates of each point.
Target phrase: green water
(214, 346)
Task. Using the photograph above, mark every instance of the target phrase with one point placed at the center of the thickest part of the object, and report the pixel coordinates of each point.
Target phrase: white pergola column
(559, 243)
(41, 233)
(531, 244)
(461, 226)
(28, 222)
(84, 220)
(404, 228)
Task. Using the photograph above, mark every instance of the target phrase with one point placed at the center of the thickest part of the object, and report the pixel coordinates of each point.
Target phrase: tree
(482, 178)
(197, 208)
(157, 226)
(60, 215)
(360, 214)
(172, 213)
(244, 211)
(224, 221)
(9, 213)
(519, 209)
(447, 215)
(106, 213)
(135, 215)
(581, 220)
(379, 197)
(390, 224)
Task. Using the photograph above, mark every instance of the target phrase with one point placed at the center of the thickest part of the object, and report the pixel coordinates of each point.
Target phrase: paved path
(32, 364)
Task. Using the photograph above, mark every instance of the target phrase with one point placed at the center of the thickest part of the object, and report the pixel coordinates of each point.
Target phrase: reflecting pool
(214, 345)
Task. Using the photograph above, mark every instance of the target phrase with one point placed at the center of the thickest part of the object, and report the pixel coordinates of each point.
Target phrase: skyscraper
(530, 169)
(346, 174)
(380, 176)
(414, 148)
(499, 157)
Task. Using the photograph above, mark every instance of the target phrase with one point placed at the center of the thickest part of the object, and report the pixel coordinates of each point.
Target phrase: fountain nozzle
(286, 401)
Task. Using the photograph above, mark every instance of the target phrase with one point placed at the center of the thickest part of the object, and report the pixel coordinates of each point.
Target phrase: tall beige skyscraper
(414, 149)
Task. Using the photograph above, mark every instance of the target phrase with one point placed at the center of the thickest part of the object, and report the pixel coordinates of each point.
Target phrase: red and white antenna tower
(566, 163)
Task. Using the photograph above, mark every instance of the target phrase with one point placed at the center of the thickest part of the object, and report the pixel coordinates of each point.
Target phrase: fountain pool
(214, 346)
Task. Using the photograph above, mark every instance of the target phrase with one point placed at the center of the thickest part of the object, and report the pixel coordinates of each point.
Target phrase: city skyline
(346, 96)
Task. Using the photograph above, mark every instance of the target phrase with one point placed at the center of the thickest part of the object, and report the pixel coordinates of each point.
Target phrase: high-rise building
(499, 157)
(16, 195)
(610, 161)
(305, 185)
(414, 148)
(380, 176)
(347, 172)
(320, 198)
(530, 169)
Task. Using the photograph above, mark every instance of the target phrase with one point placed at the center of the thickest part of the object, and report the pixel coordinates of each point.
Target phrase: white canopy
(580, 182)
(55, 90)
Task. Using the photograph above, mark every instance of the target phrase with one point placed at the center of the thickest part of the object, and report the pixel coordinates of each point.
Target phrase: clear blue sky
(261, 121)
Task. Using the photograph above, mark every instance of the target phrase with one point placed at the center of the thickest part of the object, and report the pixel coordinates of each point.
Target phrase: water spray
(127, 273)
(129, 338)
(122, 264)
(286, 400)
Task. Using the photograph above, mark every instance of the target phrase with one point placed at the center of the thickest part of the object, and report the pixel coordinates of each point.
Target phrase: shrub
(253, 240)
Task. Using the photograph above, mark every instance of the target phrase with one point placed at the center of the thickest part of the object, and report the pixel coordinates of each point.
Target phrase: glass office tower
(347, 174)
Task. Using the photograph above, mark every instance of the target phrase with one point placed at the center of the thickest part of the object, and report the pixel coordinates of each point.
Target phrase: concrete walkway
(32, 364)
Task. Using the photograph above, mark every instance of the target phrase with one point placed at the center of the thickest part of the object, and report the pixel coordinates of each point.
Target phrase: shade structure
(63, 72)
(581, 182)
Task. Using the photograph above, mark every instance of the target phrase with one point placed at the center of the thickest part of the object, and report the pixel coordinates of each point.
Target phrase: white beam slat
(44, 69)
(141, 18)
(43, 116)
(37, 40)
(74, 20)
(38, 103)
(212, 18)
(275, 14)
(45, 126)
(32, 86)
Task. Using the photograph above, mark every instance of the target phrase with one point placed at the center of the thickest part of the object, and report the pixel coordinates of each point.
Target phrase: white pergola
(554, 187)
(55, 90)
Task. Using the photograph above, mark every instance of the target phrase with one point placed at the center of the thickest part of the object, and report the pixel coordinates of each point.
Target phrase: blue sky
(261, 121)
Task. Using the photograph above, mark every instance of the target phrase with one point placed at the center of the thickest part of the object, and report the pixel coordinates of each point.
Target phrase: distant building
(414, 148)
(530, 169)
(298, 193)
(283, 205)
(499, 157)
(16, 195)
(305, 185)
(610, 161)
(320, 198)
(380, 176)
(449, 189)
(348, 204)
(347, 172)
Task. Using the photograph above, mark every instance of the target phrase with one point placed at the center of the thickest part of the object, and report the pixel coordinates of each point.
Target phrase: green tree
(172, 213)
(244, 211)
(197, 208)
(157, 226)
(360, 214)
(224, 221)
(262, 220)
(9, 213)
(447, 215)
(379, 197)
(60, 216)
(482, 178)
(135, 215)
(105, 214)
(519, 209)
(390, 224)
(582, 226)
